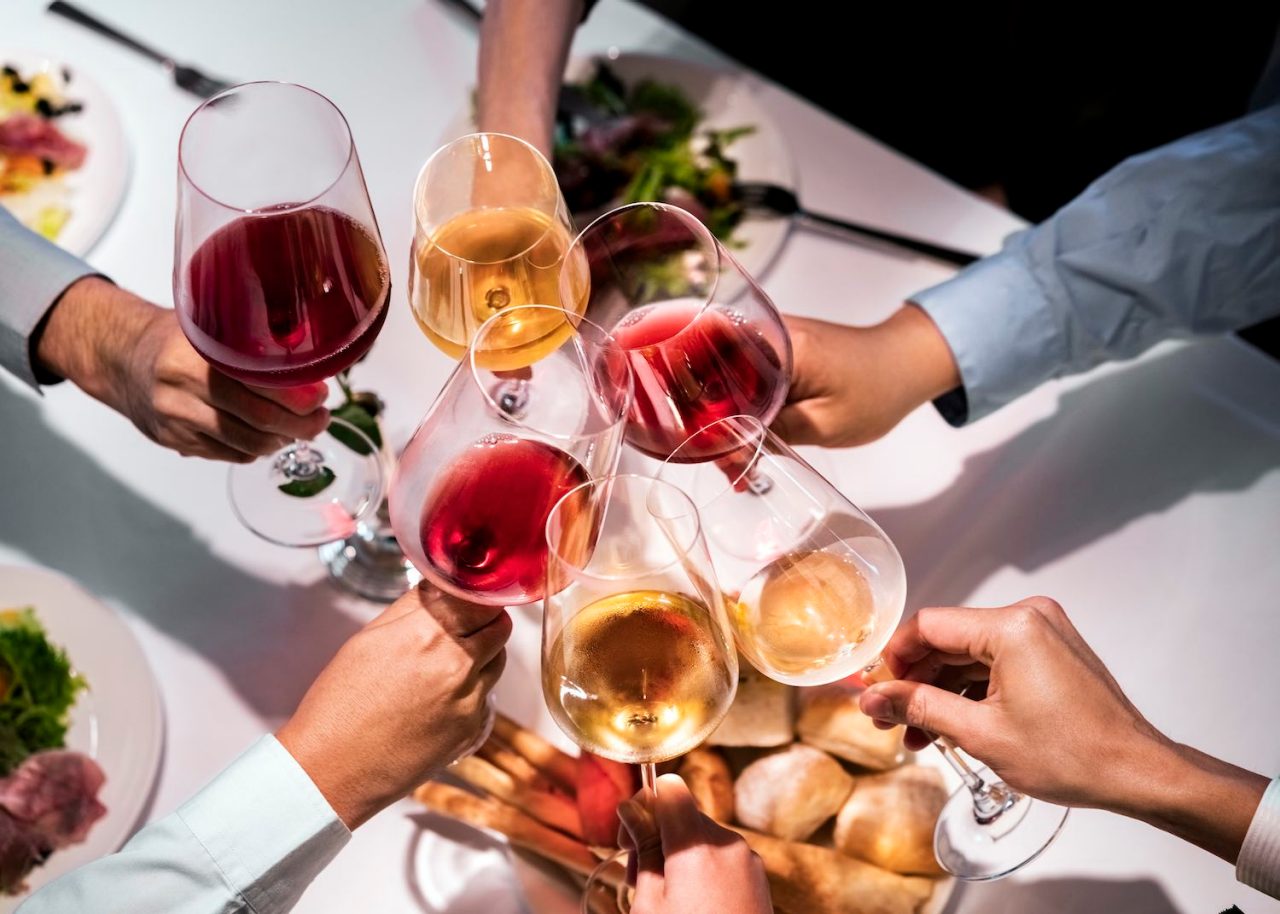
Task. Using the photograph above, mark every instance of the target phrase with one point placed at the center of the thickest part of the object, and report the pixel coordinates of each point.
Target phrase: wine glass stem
(989, 800)
(300, 461)
(648, 776)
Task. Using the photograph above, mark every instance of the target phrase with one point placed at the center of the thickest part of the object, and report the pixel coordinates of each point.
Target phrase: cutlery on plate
(760, 196)
(188, 78)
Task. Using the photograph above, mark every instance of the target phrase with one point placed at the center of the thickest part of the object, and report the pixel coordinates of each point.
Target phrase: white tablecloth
(1146, 498)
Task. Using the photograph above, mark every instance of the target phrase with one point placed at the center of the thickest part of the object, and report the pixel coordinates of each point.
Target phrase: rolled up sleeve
(1258, 865)
(1180, 241)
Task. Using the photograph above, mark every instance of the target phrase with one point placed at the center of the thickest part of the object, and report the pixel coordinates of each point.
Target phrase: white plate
(97, 187)
(119, 721)
(726, 99)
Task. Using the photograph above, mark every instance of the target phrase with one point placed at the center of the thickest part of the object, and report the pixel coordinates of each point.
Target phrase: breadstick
(559, 766)
(818, 880)
(551, 809)
(710, 781)
(514, 764)
(520, 829)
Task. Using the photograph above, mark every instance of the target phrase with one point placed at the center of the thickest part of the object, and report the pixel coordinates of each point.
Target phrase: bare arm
(523, 48)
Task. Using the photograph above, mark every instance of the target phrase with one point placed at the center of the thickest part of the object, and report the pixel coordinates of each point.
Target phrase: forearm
(1196, 797)
(523, 47)
(89, 326)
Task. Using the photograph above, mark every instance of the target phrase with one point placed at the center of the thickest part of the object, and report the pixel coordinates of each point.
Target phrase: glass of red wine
(280, 280)
(473, 489)
(702, 338)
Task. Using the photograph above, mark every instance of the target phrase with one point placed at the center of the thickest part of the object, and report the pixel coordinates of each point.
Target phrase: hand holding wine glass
(281, 281)
(686, 863)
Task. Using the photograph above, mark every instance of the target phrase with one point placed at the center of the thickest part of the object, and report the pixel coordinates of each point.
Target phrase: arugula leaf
(305, 488)
(668, 103)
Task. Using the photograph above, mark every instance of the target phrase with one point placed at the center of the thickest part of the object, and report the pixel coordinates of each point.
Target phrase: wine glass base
(976, 852)
(369, 563)
(283, 505)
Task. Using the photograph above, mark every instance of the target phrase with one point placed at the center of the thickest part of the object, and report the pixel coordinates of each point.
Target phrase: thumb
(796, 424)
(925, 707)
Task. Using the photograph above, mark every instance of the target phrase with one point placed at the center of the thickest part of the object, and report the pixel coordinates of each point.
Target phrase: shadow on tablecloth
(1063, 896)
(1202, 419)
(66, 512)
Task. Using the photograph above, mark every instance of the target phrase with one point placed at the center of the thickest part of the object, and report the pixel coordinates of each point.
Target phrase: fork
(780, 200)
(188, 78)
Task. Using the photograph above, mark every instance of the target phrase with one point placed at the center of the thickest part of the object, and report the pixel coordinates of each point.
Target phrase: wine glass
(638, 663)
(819, 590)
(471, 495)
(491, 230)
(703, 338)
(280, 279)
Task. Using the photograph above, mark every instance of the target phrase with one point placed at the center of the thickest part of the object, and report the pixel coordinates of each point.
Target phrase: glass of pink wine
(473, 488)
(703, 339)
(280, 279)
(817, 591)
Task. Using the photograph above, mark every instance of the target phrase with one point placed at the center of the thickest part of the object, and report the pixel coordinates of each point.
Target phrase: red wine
(285, 298)
(692, 367)
(483, 524)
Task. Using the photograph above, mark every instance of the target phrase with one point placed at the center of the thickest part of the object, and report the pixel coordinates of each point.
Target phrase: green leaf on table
(355, 414)
(305, 488)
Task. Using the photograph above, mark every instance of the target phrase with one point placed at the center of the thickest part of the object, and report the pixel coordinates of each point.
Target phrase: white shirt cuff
(266, 826)
(1259, 863)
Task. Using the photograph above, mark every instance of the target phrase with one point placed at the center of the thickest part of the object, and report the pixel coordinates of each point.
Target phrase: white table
(1146, 498)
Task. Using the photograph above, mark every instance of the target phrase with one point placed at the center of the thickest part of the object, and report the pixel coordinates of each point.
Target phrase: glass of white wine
(491, 230)
(638, 662)
(819, 591)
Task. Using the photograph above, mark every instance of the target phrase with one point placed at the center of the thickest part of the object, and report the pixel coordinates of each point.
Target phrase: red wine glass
(281, 279)
(472, 491)
(703, 339)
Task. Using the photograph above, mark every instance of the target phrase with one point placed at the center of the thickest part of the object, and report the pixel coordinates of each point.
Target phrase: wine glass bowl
(638, 658)
(704, 340)
(471, 495)
(819, 588)
(280, 279)
(491, 230)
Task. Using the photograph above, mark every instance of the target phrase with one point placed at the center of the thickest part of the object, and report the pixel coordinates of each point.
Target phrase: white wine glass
(818, 590)
(638, 662)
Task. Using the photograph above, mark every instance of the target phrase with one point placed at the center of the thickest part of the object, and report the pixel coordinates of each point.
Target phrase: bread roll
(889, 818)
(831, 720)
(763, 713)
(710, 781)
(791, 792)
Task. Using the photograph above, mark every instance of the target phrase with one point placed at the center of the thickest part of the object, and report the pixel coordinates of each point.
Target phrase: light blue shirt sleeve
(1259, 862)
(251, 842)
(34, 273)
(1179, 241)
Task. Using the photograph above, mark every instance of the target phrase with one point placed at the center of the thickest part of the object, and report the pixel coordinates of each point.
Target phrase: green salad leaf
(37, 688)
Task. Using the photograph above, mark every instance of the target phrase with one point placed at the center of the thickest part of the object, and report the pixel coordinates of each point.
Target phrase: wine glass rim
(275, 209)
(553, 551)
(606, 341)
(418, 182)
(697, 227)
(761, 435)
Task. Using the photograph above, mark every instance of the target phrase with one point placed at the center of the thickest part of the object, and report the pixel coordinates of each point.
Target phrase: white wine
(486, 259)
(640, 677)
(802, 618)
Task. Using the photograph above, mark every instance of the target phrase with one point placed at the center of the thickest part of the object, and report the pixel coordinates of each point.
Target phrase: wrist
(918, 355)
(1192, 795)
(87, 333)
(347, 791)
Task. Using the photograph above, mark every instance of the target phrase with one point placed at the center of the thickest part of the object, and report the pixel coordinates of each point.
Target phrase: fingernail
(877, 707)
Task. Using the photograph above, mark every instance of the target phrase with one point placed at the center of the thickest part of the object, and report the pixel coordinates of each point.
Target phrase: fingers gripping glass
(818, 591)
(280, 280)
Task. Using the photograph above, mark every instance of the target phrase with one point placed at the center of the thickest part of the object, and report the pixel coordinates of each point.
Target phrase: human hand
(133, 356)
(406, 695)
(1053, 722)
(851, 385)
(684, 863)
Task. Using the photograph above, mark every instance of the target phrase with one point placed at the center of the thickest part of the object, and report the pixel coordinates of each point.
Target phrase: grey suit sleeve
(33, 275)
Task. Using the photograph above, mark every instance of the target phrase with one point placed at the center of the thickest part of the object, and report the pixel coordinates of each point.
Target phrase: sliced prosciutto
(27, 134)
